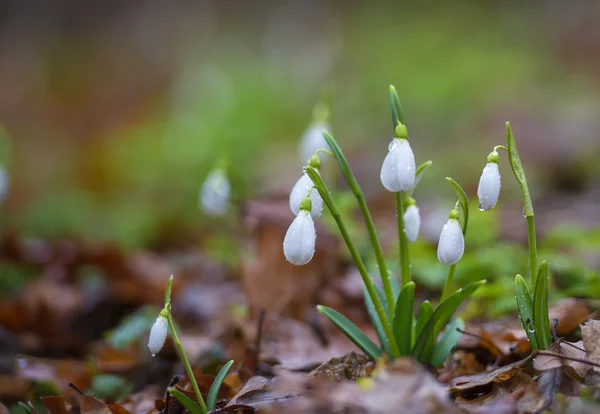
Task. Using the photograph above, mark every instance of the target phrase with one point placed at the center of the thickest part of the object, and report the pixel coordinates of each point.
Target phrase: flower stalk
(337, 216)
(402, 240)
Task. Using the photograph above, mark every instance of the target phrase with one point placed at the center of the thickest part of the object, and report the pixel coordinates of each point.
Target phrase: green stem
(402, 240)
(360, 197)
(337, 216)
(532, 248)
(449, 283)
(186, 364)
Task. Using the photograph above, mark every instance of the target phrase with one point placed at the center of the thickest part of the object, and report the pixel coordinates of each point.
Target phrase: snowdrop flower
(398, 169)
(303, 187)
(215, 193)
(3, 183)
(489, 184)
(412, 220)
(313, 140)
(299, 242)
(158, 334)
(452, 242)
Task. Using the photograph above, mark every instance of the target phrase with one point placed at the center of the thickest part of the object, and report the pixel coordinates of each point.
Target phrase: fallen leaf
(577, 370)
(55, 404)
(92, 405)
(570, 314)
(3, 409)
(469, 383)
(591, 341)
(351, 366)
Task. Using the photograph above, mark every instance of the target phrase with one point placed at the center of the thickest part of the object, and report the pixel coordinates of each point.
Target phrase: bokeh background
(114, 113)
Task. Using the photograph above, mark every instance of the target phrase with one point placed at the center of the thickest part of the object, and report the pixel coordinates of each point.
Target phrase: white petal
(158, 335)
(3, 183)
(489, 186)
(412, 223)
(312, 140)
(215, 192)
(398, 169)
(452, 243)
(299, 192)
(299, 242)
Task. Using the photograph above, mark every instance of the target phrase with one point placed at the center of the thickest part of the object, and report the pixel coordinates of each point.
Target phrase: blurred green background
(115, 113)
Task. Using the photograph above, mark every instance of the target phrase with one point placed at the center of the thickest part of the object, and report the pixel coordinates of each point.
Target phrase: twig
(557, 355)
(486, 340)
(75, 388)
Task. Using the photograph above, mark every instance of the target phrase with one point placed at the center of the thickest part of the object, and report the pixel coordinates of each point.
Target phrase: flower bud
(412, 223)
(398, 169)
(299, 242)
(158, 334)
(313, 140)
(299, 193)
(215, 193)
(452, 242)
(489, 186)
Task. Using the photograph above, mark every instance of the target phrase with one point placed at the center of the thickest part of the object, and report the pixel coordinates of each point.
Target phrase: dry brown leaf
(519, 394)
(55, 405)
(92, 405)
(577, 370)
(570, 314)
(351, 366)
(3, 409)
(485, 379)
(591, 341)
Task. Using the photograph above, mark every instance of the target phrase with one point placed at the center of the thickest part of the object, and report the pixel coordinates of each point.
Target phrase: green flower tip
(454, 215)
(409, 201)
(314, 161)
(164, 313)
(401, 131)
(319, 308)
(493, 157)
(306, 204)
(320, 113)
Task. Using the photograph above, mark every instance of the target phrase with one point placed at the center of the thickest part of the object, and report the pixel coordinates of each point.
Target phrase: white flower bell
(158, 334)
(215, 193)
(3, 183)
(299, 241)
(312, 139)
(303, 187)
(489, 184)
(412, 221)
(398, 169)
(452, 241)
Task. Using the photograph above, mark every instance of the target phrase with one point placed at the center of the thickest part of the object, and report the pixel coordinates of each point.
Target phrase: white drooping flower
(158, 334)
(489, 186)
(412, 223)
(299, 193)
(3, 183)
(299, 241)
(452, 243)
(215, 193)
(398, 169)
(313, 140)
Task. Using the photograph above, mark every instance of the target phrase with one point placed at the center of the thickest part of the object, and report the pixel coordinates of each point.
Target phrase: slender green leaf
(396, 107)
(403, 318)
(463, 201)
(525, 308)
(442, 315)
(449, 339)
(352, 331)
(211, 400)
(419, 174)
(385, 345)
(186, 401)
(541, 321)
(24, 406)
(425, 312)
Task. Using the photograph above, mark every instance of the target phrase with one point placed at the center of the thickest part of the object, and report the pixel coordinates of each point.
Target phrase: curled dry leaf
(92, 405)
(468, 384)
(575, 369)
(55, 404)
(591, 341)
(570, 313)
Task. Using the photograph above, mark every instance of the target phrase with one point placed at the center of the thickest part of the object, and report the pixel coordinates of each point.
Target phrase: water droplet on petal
(480, 207)
(153, 355)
